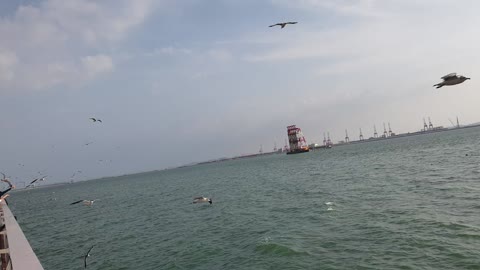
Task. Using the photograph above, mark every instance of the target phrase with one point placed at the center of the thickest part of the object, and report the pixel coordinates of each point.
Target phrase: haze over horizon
(177, 82)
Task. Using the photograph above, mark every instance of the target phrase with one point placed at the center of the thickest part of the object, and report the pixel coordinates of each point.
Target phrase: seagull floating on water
(86, 256)
(85, 202)
(282, 24)
(202, 199)
(95, 119)
(451, 79)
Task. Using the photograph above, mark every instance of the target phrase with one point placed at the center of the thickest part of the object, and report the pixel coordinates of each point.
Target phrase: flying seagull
(202, 199)
(10, 185)
(451, 79)
(95, 120)
(85, 202)
(88, 143)
(86, 256)
(282, 24)
(35, 180)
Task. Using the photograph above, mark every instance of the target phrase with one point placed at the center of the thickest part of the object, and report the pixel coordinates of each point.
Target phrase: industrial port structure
(389, 134)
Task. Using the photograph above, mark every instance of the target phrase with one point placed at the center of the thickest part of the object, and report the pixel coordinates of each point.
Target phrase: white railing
(15, 251)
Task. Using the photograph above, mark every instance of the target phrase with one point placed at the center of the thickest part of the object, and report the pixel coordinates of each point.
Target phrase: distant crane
(453, 124)
(425, 127)
(375, 134)
(430, 125)
(285, 148)
(324, 139)
(274, 146)
(361, 135)
(347, 139)
(390, 133)
(385, 134)
(458, 123)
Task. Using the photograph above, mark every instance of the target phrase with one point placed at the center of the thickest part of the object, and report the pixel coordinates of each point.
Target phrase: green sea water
(407, 203)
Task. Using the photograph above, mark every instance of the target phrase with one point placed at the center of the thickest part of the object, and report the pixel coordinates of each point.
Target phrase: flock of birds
(448, 80)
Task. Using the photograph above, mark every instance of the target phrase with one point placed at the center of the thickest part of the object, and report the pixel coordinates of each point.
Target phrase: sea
(406, 203)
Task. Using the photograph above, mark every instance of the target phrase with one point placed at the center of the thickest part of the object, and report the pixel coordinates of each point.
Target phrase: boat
(296, 140)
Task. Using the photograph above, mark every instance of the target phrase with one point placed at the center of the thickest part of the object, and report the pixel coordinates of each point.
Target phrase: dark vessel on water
(297, 142)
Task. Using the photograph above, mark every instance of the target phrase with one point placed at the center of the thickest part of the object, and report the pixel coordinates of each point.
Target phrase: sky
(177, 82)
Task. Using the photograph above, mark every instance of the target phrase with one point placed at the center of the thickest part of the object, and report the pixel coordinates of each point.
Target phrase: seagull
(36, 180)
(3, 194)
(86, 256)
(451, 79)
(282, 24)
(31, 183)
(202, 199)
(88, 143)
(10, 185)
(85, 202)
(95, 119)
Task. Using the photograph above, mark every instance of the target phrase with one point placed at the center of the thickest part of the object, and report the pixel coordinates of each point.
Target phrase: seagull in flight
(88, 143)
(282, 24)
(86, 256)
(202, 199)
(36, 180)
(451, 79)
(85, 202)
(95, 119)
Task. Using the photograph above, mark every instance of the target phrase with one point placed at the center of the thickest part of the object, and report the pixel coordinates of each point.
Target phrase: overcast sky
(182, 81)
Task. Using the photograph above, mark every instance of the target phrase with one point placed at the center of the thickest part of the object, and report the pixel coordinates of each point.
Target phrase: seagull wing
(4, 176)
(7, 181)
(76, 202)
(274, 25)
(93, 119)
(35, 180)
(86, 256)
(99, 120)
(291, 22)
(449, 76)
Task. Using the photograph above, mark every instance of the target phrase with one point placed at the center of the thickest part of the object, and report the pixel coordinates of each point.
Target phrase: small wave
(278, 250)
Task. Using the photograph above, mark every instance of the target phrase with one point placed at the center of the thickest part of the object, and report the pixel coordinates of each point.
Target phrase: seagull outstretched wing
(76, 202)
(86, 256)
(7, 181)
(93, 119)
(449, 76)
(31, 183)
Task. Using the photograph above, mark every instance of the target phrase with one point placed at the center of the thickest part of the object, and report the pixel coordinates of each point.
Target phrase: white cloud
(8, 61)
(220, 54)
(97, 64)
(170, 50)
(46, 43)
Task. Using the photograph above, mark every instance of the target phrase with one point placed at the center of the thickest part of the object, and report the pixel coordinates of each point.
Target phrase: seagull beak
(468, 78)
